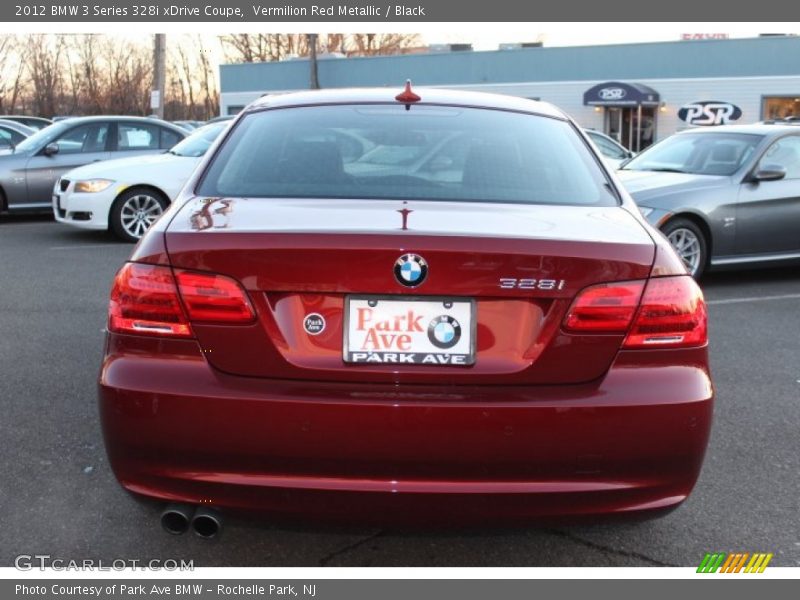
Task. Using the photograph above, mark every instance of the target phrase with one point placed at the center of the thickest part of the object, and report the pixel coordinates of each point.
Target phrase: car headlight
(646, 210)
(92, 186)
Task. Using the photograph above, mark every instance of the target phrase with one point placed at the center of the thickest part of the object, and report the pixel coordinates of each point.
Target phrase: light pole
(159, 75)
(312, 59)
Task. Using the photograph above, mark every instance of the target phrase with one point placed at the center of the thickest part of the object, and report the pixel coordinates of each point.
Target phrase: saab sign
(710, 112)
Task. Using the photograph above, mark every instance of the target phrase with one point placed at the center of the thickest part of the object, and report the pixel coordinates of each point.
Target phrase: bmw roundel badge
(444, 331)
(410, 270)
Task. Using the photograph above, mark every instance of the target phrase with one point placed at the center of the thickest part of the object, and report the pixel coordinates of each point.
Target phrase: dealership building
(637, 93)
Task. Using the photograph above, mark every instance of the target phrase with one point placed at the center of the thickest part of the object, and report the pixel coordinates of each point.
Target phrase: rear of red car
(389, 311)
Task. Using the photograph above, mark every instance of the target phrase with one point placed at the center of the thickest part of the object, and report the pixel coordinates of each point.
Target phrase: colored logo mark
(734, 562)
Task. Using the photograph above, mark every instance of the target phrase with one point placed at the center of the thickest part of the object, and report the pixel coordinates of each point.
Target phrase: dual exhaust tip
(179, 518)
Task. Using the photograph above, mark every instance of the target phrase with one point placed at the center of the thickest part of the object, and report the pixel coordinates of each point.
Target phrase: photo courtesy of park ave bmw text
(431, 299)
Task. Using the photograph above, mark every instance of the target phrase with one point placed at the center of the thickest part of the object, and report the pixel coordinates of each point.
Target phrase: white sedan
(127, 195)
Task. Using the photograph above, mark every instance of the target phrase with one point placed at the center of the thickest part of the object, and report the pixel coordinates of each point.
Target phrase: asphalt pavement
(59, 497)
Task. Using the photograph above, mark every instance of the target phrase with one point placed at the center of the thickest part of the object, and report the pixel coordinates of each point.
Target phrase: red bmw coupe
(426, 305)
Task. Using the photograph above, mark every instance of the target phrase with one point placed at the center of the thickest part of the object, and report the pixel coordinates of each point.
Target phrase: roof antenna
(407, 96)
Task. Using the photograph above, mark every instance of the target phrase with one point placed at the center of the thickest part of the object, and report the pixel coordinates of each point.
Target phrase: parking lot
(59, 497)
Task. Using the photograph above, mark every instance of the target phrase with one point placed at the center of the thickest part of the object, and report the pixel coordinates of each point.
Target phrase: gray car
(29, 171)
(726, 196)
(35, 123)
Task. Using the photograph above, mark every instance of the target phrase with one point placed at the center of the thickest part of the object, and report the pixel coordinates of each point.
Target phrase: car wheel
(690, 243)
(134, 211)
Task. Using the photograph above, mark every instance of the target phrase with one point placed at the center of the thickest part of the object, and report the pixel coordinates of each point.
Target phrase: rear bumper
(178, 430)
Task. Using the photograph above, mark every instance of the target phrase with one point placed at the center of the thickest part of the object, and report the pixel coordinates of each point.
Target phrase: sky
(574, 34)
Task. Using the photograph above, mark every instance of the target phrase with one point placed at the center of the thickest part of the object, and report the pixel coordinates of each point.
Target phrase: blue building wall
(769, 56)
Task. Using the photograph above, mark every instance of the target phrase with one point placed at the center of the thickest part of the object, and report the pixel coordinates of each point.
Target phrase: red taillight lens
(673, 314)
(605, 308)
(144, 300)
(214, 298)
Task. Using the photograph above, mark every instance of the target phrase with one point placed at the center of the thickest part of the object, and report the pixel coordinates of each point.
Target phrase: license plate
(409, 330)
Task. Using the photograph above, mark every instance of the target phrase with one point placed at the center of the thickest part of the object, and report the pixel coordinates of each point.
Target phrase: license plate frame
(420, 357)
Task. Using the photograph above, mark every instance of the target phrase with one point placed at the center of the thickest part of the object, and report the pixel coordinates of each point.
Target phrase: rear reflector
(605, 308)
(144, 301)
(673, 314)
(214, 298)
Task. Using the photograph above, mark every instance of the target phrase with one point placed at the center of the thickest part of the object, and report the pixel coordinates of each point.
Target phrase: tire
(690, 243)
(134, 211)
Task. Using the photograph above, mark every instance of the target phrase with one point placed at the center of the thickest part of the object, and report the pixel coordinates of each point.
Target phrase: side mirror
(51, 149)
(769, 173)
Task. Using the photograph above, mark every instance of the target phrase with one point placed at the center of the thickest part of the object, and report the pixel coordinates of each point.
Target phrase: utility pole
(312, 59)
(159, 75)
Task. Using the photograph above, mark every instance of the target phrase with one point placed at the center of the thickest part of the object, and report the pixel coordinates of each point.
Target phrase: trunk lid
(521, 265)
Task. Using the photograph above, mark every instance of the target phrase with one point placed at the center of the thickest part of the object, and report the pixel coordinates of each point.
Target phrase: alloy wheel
(138, 213)
(687, 245)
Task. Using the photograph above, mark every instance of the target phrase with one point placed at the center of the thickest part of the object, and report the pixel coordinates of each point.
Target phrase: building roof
(750, 57)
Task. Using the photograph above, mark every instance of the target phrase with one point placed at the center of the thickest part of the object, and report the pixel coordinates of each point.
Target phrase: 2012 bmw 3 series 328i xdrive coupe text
(383, 307)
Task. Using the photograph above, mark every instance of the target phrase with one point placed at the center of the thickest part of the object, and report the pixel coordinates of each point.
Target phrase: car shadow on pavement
(739, 277)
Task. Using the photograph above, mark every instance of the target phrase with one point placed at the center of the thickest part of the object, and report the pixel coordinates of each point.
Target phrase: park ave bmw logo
(410, 270)
(444, 331)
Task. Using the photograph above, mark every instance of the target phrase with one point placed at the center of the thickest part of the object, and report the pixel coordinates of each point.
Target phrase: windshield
(391, 152)
(40, 138)
(716, 153)
(199, 141)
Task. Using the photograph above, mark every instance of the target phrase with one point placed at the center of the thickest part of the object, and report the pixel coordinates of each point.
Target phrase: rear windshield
(388, 152)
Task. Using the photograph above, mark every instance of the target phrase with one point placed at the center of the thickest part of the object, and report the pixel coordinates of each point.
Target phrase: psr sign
(710, 112)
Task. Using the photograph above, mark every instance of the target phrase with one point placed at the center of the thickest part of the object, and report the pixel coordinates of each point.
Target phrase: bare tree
(193, 80)
(266, 47)
(88, 59)
(208, 81)
(13, 55)
(78, 74)
(259, 47)
(44, 67)
(374, 44)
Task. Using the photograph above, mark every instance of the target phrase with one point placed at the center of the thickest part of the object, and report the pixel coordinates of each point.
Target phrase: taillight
(673, 314)
(150, 300)
(213, 298)
(662, 312)
(144, 300)
(604, 308)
